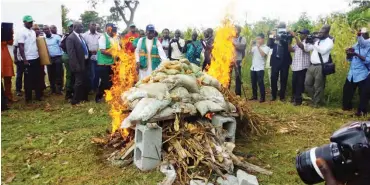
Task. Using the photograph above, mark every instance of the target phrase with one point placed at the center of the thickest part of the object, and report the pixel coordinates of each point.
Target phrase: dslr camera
(350, 52)
(348, 156)
(284, 36)
(311, 38)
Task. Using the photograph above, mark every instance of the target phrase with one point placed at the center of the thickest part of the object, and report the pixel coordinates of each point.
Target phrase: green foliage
(91, 16)
(304, 22)
(65, 19)
(264, 26)
(359, 16)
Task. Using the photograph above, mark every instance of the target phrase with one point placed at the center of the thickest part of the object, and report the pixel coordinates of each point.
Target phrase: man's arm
(103, 47)
(170, 50)
(180, 45)
(72, 54)
(23, 55)
(137, 50)
(161, 52)
(241, 46)
(263, 54)
(324, 48)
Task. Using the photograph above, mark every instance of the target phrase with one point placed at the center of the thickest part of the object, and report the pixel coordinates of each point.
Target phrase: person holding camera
(315, 77)
(176, 46)
(300, 63)
(259, 52)
(358, 75)
(280, 61)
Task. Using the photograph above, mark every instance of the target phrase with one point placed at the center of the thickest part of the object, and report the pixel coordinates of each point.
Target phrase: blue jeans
(94, 75)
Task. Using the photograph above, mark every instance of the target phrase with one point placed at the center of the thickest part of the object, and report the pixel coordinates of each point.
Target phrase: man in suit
(78, 59)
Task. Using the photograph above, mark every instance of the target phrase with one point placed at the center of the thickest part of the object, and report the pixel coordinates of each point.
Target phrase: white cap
(363, 30)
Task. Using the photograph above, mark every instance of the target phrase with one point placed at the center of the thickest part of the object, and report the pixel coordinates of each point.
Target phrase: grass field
(50, 143)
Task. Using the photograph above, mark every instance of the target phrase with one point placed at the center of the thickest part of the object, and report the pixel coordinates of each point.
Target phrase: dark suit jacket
(285, 58)
(76, 54)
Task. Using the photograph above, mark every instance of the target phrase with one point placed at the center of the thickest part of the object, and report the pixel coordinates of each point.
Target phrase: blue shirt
(359, 69)
(53, 45)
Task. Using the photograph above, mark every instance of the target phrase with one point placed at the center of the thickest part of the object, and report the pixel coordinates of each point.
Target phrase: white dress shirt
(258, 61)
(28, 38)
(322, 46)
(175, 50)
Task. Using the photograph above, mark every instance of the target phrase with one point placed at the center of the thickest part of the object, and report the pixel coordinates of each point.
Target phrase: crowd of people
(88, 61)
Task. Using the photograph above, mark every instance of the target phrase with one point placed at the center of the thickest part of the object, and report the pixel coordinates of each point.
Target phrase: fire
(124, 77)
(223, 52)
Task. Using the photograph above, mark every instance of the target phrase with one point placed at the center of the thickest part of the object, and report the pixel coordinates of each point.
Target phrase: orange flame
(124, 77)
(223, 52)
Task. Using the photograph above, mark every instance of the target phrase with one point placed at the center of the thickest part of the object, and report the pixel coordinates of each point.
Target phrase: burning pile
(182, 100)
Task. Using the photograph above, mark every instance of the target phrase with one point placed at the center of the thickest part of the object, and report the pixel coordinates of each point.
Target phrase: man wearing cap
(29, 52)
(92, 40)
(55, 70)
(149, 53)
(69, 76)
(358, 75)
(176, 47)
(105, 61)
(78, 53)
(300, 63)
(130, 37)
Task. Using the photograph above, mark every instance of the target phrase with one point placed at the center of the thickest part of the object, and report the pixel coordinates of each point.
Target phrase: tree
(359, 16)
(91, 16)
(122, 10)
(263, 26)
(65, 20)
(303, 22)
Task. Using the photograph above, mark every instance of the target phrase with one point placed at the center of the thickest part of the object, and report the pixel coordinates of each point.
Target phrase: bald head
(194, 35)
(177, 34)
(46, 30)
(78, 27)
(53, 29)
(208, 33)
(324, 32)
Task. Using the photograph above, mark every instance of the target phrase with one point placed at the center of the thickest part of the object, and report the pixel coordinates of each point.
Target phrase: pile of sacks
(174, 87)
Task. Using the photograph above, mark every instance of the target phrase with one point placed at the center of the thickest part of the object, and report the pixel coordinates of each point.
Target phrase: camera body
(284, 36)
(350, 52)
(348, 156)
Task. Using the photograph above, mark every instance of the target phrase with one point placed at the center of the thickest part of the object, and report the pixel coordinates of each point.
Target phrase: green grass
(50, 142)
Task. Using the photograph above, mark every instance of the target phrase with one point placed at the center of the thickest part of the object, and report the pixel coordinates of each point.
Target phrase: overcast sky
(208, 13)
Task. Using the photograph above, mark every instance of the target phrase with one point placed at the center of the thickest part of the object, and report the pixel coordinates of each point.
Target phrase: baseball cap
(304, 31)
(110, 25)
(132, 25)
(27, 18)
(150, 27)
(364, 30)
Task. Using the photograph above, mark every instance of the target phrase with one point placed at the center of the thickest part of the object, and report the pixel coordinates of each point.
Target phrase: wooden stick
(248, 166)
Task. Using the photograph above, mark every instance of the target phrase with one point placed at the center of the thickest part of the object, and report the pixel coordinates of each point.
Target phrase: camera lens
(306, 166)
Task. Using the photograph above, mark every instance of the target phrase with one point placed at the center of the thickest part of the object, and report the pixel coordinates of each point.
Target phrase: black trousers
(19, 76)
(349, 90)
(283, 71)
(55, 73)
(80, 87)
(238, 77)
(298, 80)
(105, 74)
(257, 77)
(32, 80)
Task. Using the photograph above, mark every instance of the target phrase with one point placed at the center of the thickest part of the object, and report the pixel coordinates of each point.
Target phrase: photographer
(358, 75)
(280, 61)
(301, 62)
(315, 78)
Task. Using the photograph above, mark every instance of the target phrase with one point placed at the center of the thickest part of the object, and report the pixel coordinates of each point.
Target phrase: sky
(180, 14)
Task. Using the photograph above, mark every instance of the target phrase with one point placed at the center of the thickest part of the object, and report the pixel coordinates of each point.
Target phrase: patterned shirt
(193, 52)
(301, 58)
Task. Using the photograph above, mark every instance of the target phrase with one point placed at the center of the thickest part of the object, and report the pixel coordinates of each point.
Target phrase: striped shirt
(301, 58)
